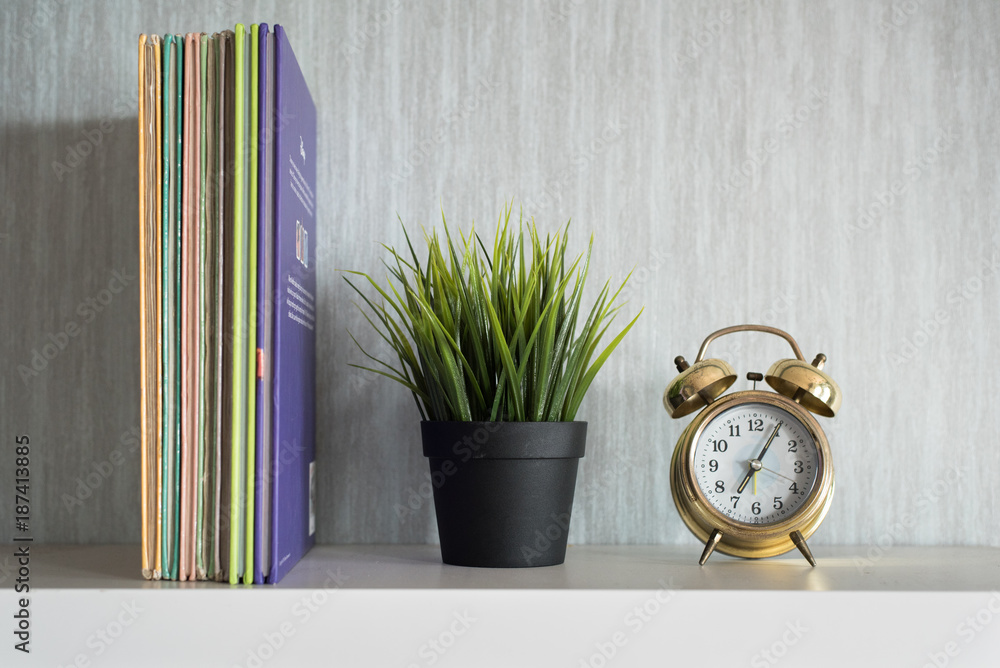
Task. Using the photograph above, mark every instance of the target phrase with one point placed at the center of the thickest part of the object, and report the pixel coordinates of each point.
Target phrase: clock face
(756, 463)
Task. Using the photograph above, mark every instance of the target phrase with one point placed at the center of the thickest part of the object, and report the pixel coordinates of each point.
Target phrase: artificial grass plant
(491, 335)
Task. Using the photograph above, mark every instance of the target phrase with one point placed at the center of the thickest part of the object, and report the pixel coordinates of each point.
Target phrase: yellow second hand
(755, 483)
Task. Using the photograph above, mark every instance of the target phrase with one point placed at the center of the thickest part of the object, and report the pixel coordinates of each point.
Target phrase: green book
(238, 491)
(251, 287)
(173, 128)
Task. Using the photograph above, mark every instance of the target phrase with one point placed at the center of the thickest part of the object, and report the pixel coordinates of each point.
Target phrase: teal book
(173, 128)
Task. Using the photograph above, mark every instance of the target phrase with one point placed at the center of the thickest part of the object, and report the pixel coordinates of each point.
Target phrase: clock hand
(753, 468)
(764, 468)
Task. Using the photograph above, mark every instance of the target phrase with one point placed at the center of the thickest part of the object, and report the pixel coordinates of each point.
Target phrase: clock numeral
(720, 487)
(777, 503)
(793, 446)
(794, 488)
(719, 446)
(735, 500)
(713, 465)
(734, 430)
(798, 467)
(755, 424)
(755, 507)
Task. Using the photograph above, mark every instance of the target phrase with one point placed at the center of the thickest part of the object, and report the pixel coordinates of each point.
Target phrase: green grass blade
(581, 389)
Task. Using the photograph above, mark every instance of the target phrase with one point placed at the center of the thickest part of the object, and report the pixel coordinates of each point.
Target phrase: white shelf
(385, 605)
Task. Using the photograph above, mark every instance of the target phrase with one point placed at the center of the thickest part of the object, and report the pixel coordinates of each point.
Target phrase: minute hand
(750, 472)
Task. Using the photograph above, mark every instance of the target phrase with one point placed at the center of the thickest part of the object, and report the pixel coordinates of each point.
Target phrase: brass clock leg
(713, 540)
(800, 543)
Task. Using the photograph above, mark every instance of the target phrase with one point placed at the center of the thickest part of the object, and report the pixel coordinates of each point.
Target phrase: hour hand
(754, 467)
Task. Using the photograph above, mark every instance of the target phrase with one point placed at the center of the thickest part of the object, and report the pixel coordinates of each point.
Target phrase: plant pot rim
(463, 441)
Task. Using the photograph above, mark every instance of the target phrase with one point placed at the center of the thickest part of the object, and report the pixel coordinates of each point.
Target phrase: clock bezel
(742, 539)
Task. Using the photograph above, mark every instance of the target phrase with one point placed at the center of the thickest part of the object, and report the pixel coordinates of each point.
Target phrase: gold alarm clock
(752, 476)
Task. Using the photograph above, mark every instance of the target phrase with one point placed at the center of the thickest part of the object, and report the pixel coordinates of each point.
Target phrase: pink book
(189, 301)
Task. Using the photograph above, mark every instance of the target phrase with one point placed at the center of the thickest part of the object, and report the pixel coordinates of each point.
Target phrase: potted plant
(490, 344)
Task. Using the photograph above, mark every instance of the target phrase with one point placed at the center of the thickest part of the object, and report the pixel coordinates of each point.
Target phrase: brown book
(227, 156)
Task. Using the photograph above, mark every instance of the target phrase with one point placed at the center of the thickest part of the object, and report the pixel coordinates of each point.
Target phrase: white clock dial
(756, 463)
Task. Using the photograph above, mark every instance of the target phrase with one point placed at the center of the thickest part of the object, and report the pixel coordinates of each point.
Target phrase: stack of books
(227, 208)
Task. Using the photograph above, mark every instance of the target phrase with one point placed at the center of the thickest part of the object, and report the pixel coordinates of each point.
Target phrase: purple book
(265, 304)
(293, 448)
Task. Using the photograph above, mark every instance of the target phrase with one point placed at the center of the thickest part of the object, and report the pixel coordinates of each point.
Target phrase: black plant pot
(503, 491)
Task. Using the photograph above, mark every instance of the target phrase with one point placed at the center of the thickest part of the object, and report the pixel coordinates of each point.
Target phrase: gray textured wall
(726, 149)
